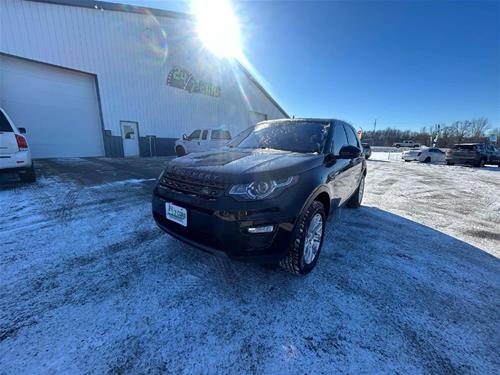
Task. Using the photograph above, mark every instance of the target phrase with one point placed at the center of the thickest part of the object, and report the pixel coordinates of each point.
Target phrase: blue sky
(407, 64)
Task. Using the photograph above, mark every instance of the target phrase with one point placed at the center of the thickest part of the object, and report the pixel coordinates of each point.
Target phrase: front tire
(357, 197)
(481, 163)
(307, 239)
(179, 150)
(427, 159)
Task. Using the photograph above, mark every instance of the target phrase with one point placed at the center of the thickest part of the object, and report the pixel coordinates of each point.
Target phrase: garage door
(58, 108)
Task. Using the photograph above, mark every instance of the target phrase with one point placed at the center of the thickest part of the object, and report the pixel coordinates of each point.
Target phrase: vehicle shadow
(10, 181)
(385, 286)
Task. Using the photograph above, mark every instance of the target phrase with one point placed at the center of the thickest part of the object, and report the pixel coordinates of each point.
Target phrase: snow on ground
(409, 283)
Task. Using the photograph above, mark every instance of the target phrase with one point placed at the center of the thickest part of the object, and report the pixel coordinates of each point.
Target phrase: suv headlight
(261, 189)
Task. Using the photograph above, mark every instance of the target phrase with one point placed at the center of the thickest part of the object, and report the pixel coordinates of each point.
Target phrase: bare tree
(478, 128)
(461, 129)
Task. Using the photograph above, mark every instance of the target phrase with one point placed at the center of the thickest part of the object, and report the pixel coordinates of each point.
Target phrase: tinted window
(352, 138)
(295, 136)
(4, 124)
(221, 134)
(339, 139)
(204, 135)
(195, 134)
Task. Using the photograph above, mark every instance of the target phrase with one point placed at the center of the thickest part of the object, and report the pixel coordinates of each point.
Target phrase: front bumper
(225, 230)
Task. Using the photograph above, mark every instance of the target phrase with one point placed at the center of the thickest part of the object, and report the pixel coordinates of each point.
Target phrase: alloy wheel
(313, 238)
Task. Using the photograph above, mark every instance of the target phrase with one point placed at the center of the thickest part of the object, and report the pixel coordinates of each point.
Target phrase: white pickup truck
(202, 140)
(409, 144)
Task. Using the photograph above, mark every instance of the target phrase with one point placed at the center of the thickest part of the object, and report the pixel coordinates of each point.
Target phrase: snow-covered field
(409, 283)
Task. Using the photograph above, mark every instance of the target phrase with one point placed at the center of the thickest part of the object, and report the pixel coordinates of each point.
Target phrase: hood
(243, 164)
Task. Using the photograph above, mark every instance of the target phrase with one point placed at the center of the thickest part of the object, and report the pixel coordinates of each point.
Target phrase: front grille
(206, 188)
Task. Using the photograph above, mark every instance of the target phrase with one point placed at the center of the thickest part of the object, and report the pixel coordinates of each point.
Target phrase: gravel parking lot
(409, 283)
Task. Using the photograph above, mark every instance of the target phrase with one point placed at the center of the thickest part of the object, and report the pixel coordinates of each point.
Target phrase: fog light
(266, 229)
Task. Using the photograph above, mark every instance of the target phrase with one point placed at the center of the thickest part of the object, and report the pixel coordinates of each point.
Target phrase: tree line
(445, 135)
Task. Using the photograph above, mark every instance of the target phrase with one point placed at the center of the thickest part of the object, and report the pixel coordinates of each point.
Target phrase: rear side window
(351, 136)
(221, 134)
(339, 139)
(204, 135)
(4, 123)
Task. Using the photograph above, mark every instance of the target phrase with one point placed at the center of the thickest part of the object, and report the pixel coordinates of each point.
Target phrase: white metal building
(85, 77)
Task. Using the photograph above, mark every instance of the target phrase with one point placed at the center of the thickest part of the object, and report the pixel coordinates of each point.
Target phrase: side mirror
(349, 152)
(184, 137)
(22, 130)
(329, 159)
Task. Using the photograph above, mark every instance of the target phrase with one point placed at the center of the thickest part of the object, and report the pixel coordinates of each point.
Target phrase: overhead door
(255, 117)
(58, 107)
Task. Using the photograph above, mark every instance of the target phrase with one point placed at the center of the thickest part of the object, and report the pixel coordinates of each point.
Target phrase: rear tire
(449, 163)
(481, 163)
(29, 175)
(180, 151)
(357, 197)
(297, 261)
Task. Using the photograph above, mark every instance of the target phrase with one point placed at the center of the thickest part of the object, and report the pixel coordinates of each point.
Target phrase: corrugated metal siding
(132, 54)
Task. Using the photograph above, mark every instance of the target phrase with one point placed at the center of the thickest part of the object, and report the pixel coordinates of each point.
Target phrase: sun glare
(218, 27)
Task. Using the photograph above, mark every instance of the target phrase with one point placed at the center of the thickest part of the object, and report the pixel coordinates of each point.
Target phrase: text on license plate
(176, 214)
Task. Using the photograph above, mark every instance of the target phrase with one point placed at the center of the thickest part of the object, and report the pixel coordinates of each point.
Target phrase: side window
(204, 135)
(195, 135)
(339, 138)
(221, 134)
(351, 136)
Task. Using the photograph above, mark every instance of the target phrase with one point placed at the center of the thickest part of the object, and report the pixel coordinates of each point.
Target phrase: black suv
(266, 196)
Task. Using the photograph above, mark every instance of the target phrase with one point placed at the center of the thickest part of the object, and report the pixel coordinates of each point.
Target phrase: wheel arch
(322, 195)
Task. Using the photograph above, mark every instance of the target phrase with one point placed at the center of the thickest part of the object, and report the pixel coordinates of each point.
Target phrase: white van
(202, 140)
(15, 155)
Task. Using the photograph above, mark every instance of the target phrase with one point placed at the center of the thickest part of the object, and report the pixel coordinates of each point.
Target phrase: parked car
(475, 154)
(410, 155)
(367, 150)
(493, 155)
(265, 197)
(15, 155)
(409, 144)
(431, 155)
(202, 140)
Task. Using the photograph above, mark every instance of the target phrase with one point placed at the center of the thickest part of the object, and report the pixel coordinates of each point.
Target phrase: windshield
(292, 136)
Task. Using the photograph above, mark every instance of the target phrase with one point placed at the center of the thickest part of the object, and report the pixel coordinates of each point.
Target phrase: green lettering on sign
(183, 79)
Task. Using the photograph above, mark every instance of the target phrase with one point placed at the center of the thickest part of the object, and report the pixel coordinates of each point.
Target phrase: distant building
(88, 78)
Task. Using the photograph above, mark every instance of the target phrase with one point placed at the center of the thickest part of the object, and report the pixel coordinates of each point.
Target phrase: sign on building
(183, 79)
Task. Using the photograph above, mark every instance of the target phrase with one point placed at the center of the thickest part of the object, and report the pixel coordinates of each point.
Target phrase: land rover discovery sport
(267, 195)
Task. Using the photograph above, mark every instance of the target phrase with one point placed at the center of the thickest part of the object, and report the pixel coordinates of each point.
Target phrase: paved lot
(409, 283)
